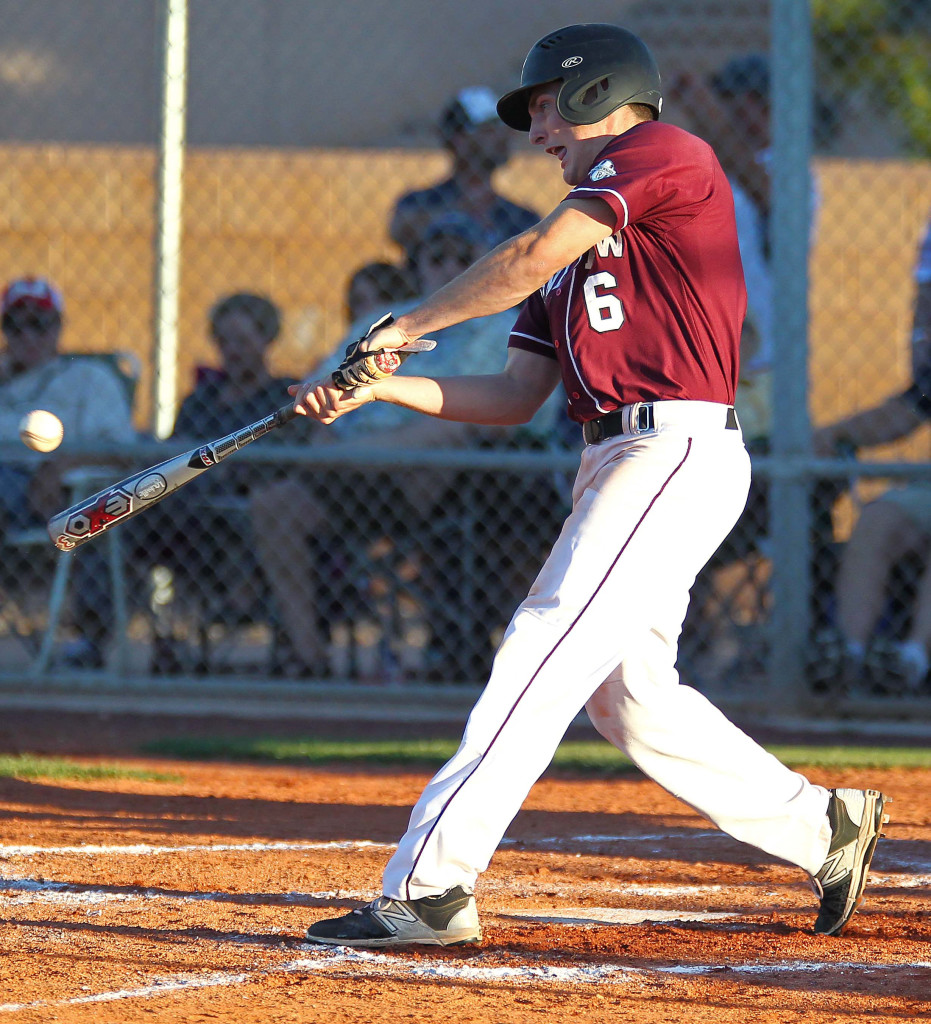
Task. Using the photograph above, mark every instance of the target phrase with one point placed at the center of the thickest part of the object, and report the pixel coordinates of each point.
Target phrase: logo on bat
(201, 458)
(151, 486)
(107, 509)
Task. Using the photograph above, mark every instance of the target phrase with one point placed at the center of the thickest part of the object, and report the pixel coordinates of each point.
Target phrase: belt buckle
(641, 418)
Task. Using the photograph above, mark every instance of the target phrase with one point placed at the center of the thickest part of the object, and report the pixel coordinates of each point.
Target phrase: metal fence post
(169, 212)
(791, 103)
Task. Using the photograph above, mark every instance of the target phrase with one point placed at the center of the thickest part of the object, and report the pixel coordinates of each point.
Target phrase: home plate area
(609, 900)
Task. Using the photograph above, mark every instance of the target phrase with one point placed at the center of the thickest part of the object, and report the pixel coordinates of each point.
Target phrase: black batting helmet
(610, 61)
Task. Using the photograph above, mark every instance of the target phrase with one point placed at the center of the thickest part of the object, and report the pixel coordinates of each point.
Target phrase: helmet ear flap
(596, 92)
(587, 101)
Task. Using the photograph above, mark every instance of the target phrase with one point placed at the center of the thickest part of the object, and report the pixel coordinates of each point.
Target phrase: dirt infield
(185, 900)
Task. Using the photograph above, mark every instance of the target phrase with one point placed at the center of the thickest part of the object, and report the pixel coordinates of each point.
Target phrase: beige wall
(294, 224)
(305, 72)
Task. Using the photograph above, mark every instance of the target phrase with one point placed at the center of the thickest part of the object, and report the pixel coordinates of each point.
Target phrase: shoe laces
(376, 904)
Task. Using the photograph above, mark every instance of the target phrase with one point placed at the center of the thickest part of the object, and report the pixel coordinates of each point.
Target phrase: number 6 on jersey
(605, 311)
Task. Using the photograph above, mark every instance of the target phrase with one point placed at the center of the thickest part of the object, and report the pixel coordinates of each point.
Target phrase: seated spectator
(730, 109)
(477, 142)
(242, 388)
(377, 286)
(895, 526)
(295, 514)
(90, 401)
(201, 535)
(866, 652)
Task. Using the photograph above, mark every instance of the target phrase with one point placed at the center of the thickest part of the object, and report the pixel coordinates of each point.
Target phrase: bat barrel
(121, 501)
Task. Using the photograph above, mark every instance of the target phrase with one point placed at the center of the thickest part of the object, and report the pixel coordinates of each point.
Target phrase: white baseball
(41, 431)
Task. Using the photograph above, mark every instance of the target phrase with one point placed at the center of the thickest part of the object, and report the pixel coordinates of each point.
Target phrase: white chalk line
(894, 864)
(615, 915)
(643, 837)
(146, 849)
(900, 881)
(26, 891)
(20, 891)
(161, 986)
(363, 963)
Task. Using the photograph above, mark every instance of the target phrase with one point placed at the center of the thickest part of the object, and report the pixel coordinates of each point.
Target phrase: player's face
(574, 145)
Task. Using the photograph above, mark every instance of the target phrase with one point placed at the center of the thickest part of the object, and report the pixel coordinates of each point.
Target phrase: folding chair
(80, 482)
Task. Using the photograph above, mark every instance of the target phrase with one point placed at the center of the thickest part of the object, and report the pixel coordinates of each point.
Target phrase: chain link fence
(224, 191)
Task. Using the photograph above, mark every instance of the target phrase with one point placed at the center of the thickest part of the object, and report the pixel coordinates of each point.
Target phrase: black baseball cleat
(856, 816)
(450, 919)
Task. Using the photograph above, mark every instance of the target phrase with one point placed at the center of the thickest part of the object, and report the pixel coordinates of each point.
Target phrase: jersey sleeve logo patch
(603, 170)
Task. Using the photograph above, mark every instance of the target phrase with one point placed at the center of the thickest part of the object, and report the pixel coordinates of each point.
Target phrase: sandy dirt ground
(186, 900)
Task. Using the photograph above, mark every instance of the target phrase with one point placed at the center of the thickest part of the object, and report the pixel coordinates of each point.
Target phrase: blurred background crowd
(206, 201)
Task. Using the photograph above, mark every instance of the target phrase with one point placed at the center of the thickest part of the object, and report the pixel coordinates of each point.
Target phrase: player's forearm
(490, 399)
(515, 269)
(498, 281)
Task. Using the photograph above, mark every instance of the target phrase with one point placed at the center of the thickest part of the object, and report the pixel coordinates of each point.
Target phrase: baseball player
(635, 298)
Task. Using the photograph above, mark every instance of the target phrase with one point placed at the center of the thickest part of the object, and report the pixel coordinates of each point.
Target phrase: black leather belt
(619, 422)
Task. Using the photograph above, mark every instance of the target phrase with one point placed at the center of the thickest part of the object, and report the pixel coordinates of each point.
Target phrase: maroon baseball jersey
(654, 311)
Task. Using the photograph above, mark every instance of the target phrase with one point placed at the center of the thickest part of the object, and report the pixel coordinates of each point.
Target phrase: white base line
(366, 963)
(146, 849)
(893, 865)
(160, 987)
(892, 862)
(19, 891)
(22, 891)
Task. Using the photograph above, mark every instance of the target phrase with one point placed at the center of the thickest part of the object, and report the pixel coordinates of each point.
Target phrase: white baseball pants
(600, 628)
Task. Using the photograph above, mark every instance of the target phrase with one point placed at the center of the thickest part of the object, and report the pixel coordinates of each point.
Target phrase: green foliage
(32, 766)
(850, 17)
(881, 47)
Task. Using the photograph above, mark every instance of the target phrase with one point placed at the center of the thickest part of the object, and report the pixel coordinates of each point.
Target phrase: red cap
(31, 291)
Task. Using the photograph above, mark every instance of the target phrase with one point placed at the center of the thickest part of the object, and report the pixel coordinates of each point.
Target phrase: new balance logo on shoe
(396, 915)
(833, 870)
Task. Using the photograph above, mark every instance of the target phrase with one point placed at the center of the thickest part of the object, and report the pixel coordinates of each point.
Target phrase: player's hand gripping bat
(360, 369)
(127, 498)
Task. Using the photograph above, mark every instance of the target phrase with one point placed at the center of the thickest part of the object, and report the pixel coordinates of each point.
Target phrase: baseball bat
(121, 501)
